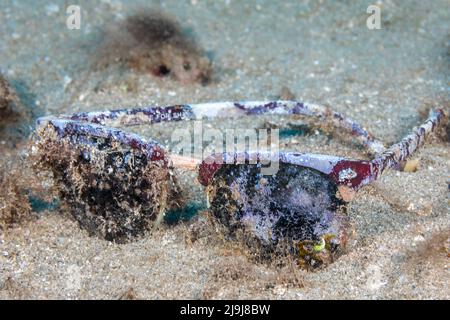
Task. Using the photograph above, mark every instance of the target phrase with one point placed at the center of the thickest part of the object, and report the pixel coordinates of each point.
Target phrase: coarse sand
(317, 51)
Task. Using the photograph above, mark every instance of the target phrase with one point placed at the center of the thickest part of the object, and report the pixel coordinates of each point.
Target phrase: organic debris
(151, 41)
(14, 205)
(6, 95)
(14, 289)
(16, 112)
(286, 94)
(411, 165)
(16, 183)
(130, 294)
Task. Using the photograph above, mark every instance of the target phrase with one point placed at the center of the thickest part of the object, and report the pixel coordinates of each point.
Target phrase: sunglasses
(117, 184)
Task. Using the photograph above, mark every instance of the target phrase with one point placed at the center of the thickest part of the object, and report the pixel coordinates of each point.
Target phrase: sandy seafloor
(324, 53)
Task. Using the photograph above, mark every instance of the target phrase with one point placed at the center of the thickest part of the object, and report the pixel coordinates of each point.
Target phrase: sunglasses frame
(348, 174)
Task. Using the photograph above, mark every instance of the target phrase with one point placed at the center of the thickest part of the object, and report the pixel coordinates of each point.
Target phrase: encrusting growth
(113, 191)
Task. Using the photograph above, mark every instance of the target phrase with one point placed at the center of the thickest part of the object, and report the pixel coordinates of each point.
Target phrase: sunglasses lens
(297, 206)
(113, 191)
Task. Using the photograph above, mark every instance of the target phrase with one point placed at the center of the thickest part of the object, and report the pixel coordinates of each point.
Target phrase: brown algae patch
(151, 41)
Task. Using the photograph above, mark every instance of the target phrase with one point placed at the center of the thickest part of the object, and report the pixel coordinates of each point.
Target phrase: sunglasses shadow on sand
(117, 185)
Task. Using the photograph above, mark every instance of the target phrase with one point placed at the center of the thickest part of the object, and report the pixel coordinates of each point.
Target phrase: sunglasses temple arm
(373, 145)
(324, 115)
(393, 156)
(153, 114)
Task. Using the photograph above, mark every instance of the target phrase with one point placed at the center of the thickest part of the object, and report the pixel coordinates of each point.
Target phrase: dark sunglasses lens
(112, 191)
(297, 206)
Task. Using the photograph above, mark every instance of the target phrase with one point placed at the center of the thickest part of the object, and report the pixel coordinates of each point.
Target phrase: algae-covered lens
(295, 205)
(112, 190)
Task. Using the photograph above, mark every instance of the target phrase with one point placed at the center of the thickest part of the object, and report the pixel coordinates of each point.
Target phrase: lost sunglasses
(118, 184)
